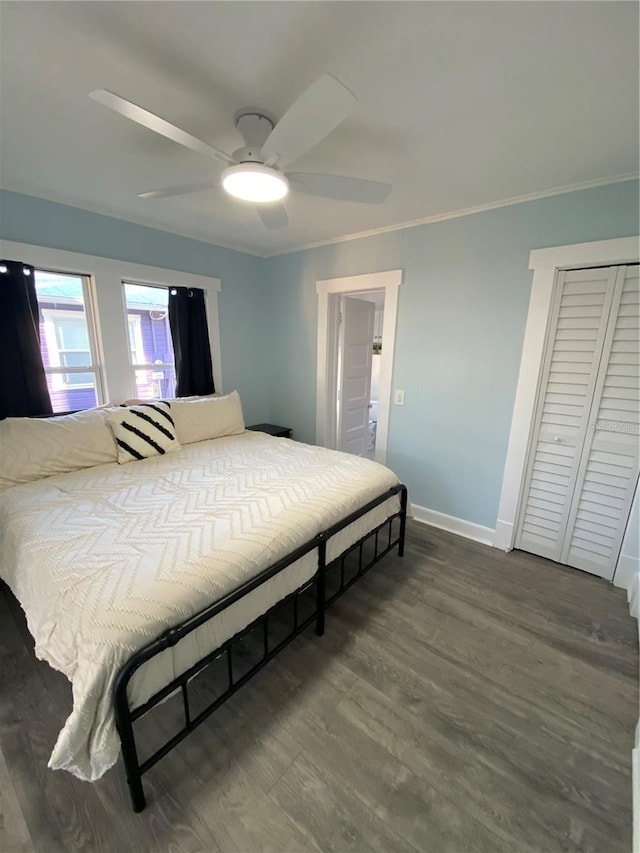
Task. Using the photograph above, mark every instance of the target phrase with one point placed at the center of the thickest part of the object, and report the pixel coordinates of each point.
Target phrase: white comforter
(105, 559)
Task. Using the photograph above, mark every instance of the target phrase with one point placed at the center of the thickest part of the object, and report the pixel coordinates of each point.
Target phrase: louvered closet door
(579, 319)
(608, 471)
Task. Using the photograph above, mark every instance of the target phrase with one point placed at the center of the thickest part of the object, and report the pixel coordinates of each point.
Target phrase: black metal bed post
(128, 742)
(403, 519)
(321, 583)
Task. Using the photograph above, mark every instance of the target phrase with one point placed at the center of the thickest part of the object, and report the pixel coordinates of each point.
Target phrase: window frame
(135, 366)
(96, 366)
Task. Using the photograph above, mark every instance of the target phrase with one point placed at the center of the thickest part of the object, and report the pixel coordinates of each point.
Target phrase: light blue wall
(462, 313)
(461, 319)
(242, 301)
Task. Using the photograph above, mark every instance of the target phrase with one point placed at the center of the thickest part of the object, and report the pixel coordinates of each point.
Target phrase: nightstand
(272, 429)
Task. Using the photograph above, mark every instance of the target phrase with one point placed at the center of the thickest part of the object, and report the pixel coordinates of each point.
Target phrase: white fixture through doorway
(330, 292)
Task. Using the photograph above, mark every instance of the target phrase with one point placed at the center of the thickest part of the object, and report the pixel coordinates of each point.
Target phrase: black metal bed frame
(125, 716)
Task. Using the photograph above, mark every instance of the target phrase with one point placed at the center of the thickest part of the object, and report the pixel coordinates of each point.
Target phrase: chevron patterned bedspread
(105, 559)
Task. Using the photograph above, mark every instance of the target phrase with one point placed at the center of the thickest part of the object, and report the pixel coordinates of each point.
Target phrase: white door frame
(389, 281)
(545, 264)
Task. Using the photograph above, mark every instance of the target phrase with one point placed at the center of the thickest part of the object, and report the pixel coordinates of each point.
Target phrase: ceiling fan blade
(308, 120)
(181, 189)
(338, 187)
(157, 124)
(273, 215)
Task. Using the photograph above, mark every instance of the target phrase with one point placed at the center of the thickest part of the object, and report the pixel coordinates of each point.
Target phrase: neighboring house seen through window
(150, 344)
(67, 341)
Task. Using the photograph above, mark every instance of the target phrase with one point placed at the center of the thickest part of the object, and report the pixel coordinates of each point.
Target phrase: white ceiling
(461, 104)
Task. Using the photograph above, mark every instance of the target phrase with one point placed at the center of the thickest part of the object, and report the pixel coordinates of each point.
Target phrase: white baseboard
(633, 596)
(627, 577)
(626, 570)
(468, 529)
(504, 536)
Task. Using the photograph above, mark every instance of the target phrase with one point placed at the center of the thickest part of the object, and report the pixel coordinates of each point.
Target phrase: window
(113, 329)
(67, 341)
(150, 344)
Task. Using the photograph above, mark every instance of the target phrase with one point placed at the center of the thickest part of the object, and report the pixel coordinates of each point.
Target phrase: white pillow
(208, 417)
(143, 431)
(35, 448)
(136, 401)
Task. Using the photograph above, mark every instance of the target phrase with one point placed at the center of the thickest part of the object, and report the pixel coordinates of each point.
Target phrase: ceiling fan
(254, 172)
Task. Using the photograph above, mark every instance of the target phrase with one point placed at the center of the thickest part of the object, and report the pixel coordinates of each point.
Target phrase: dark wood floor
(461, 700)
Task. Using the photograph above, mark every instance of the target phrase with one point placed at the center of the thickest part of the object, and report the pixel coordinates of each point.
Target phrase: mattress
(105, 559)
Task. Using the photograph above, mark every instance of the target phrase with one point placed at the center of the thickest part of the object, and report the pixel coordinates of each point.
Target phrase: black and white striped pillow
(144, 430)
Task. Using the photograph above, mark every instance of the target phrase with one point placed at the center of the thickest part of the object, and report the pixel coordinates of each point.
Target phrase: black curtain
(23, 385)
(191, 349)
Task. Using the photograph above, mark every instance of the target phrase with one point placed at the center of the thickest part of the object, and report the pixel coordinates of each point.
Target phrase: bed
(135, 577)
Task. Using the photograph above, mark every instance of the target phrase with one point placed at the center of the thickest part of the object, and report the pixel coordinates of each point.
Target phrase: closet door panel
(608, 470)
(575, 342)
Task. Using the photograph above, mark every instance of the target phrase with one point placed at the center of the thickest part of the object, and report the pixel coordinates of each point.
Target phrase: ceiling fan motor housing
(254, 125)
(248, 154)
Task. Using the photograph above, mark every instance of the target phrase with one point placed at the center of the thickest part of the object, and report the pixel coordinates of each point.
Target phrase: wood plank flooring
(461, 699)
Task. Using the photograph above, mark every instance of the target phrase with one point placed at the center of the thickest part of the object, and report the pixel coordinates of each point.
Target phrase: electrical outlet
(398, 397)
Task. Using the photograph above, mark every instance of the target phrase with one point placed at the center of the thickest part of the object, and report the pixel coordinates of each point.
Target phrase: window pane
(148, 326)
(69, 399)
(71, 332)
(76, 359)
(159, 383)
(64, 340)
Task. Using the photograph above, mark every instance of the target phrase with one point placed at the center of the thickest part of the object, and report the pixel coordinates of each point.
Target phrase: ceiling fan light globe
(255, 183)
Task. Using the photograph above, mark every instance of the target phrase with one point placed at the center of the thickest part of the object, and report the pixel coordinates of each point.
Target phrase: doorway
(362, 425)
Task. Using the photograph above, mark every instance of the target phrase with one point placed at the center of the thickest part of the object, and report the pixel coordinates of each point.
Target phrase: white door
(608, 471)
(354, 374)
(583, 459)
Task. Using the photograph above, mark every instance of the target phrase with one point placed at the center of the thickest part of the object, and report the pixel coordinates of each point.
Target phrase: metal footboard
(382, 540)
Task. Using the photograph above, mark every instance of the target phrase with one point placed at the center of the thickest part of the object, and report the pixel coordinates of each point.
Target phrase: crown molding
(358, 235)
(465, 211)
